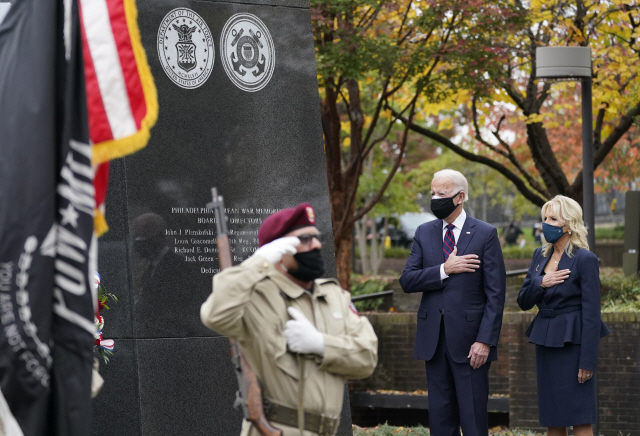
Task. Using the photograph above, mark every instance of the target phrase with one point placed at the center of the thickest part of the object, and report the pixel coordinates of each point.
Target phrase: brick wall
(514, 373)
(619, 375)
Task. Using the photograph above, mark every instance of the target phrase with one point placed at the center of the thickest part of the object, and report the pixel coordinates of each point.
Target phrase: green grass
(616, 232)
(620, 293)
(515, 252)
(390, 430)
(390, 253)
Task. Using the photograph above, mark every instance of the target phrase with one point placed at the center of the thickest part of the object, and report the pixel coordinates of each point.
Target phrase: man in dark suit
(456, 262)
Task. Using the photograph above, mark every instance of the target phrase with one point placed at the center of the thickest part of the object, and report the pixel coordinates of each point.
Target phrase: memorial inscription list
(197, 243)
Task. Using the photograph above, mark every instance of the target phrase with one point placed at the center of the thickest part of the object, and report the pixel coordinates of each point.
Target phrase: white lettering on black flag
(46, 223)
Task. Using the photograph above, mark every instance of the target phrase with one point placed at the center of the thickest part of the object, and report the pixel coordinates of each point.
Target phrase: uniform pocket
(288, 363)
(474, 315)
(422, 312)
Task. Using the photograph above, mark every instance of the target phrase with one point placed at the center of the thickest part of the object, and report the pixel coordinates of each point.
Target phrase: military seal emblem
(185, 48)
(247, 52)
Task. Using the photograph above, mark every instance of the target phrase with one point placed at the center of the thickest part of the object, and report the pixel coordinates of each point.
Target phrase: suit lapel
(436, 237)
(566, 262)
(466, 234)
(541, 263)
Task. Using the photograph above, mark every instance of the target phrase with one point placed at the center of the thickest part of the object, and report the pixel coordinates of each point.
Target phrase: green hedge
(620, 293)
(390, 253)
(361, 285)
(509, 252)
(512, 251)
(616, 232)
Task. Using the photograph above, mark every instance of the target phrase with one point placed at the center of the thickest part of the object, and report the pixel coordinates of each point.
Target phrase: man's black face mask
(310, 265)
(443, 207)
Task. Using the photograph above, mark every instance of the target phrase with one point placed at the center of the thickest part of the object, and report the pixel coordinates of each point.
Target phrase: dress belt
(551, 313)
(323, 425)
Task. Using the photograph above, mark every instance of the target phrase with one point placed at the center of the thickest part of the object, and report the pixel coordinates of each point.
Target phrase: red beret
(285, 221)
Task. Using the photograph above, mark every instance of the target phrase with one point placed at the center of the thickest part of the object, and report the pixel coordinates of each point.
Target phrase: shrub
(620, 293)
(397, 253)
(361, 285)
(390, 253)
(616, 232)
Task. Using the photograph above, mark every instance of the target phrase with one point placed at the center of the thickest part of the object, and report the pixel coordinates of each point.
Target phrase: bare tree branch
(597, 131)
(376, 198)
(517, 181)
(507, 152)
(376, 114)
(404, 21)
(626, 121)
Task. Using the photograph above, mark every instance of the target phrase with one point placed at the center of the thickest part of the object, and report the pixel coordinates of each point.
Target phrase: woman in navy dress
(564, 282)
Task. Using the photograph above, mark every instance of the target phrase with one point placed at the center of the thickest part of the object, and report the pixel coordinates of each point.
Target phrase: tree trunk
(343, 261)
(375, 265)
(361, 234)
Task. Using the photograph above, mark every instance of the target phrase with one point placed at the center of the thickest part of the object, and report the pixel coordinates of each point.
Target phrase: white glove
(302, 336)
(274, 250)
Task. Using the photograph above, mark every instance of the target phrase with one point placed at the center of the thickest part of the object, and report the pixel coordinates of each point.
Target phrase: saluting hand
(555, 278)
(274, 250)
(461, 264)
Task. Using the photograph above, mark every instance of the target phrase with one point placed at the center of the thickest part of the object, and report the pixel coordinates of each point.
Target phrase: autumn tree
(372, 229)
(487, 188)
(372, 54)
(529, 130)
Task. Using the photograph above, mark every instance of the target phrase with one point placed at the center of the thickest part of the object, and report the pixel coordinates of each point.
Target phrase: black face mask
(310, 265)
(443, 207)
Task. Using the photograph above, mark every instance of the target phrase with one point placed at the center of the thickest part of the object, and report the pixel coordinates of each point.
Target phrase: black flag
(47, 249)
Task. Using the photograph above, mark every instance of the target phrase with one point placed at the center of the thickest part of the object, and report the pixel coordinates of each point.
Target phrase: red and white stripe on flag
(122, 101)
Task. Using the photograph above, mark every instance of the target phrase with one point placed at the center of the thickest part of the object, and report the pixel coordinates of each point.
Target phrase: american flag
(121, 96)
(75, 92)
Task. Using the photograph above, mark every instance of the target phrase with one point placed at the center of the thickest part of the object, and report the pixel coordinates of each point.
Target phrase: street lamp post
(575, 63)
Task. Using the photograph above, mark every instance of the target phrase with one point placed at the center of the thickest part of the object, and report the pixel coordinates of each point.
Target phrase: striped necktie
(448, 242)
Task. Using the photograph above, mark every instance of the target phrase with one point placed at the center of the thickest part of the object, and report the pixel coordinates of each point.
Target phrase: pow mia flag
(47, 249)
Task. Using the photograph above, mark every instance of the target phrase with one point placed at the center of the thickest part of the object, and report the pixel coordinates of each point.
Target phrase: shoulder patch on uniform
(353, 308)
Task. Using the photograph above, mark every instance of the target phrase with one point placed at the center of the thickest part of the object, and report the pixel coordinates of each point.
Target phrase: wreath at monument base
(104, 347)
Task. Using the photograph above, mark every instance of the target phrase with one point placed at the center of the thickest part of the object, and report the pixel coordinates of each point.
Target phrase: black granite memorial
(239, 110)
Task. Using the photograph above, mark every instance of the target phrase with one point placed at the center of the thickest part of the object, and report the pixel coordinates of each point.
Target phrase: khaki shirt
(249, 304)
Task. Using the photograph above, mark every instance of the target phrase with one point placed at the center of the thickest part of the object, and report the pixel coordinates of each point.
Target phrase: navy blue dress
(567, 332)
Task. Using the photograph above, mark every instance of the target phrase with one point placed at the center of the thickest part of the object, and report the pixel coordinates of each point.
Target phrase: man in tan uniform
(288, 321)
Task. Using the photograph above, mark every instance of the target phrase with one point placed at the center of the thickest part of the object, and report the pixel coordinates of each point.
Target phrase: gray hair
(457, 178)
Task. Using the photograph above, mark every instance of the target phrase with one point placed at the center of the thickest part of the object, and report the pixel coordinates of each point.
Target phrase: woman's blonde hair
(569, 211)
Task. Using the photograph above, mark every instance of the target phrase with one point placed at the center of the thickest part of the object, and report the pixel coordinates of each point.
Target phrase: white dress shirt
(458, 223)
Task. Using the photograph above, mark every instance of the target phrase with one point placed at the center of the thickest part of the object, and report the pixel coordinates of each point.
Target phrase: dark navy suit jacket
(580, 291)
(471, 303)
